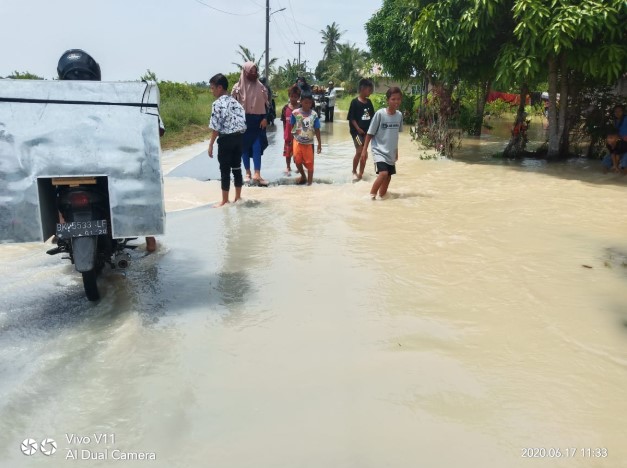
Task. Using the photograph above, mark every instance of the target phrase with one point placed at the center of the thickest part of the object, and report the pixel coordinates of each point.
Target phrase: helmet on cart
(76, 64)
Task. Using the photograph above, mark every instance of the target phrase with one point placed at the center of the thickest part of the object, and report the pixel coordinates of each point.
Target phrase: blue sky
(180, 40)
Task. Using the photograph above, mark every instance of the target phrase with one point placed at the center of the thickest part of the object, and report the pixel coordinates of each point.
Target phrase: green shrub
(232, 78)
(497, 108)
(170, 90)
(408, 106)
(16, 75)
(468, 121)
(535, 110)
(183, 104)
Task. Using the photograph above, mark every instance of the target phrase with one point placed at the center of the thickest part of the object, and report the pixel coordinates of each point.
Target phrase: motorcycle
(84, 234)
(81, 164)
(319, 104)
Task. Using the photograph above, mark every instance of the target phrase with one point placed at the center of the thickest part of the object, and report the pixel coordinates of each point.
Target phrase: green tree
(348, 65)
(330, 38)
(514, 43)
(390, 40)
(286, 75)
(457, 40)
(247, 56)
(566, 37)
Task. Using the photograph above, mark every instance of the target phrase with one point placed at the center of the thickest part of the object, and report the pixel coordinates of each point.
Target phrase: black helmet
(76, 64)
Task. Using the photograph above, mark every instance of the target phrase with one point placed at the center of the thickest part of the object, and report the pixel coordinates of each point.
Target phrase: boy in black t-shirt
(360, 114)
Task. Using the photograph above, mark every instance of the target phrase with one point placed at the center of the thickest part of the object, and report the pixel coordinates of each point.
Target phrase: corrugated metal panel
(75, 128)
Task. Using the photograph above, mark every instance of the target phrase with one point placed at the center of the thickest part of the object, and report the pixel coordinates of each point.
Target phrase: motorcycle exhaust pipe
(122, 260)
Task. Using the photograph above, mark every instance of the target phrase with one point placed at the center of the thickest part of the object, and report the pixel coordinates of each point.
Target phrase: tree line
(577, 47)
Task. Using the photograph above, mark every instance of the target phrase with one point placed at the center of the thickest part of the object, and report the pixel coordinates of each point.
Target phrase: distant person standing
(228, 122)
(286, 118)
(383, 132)
(253, 96)
(330, 109)
(620, 121)
(360, 113)
(616, 141)
(616, 157)
(302, 84)
(305, 125)
(271, 112)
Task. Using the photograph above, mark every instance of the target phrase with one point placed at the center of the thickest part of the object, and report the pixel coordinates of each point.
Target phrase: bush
(183, 104)
(378, 101)
(433, 131)
(408, 106)
(16, 75)
(468, 121)
(497, 108)
(535, 110)
(170, 90)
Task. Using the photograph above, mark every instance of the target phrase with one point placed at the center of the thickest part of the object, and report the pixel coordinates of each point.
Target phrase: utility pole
(268, 15)
(299, 44)
(267, 38)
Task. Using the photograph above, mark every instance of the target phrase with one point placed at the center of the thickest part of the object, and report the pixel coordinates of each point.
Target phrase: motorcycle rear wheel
(91, 285)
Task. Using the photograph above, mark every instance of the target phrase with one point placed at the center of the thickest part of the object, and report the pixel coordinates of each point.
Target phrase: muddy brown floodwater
(476, 318)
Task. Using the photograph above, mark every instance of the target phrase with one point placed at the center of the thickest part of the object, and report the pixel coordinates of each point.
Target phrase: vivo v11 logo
(76, 439)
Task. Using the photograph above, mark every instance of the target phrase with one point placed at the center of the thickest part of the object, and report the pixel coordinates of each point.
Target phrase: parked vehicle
(320, 99)
(81, 165)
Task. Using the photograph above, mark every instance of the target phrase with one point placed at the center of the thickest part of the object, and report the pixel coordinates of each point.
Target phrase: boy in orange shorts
(305, 124)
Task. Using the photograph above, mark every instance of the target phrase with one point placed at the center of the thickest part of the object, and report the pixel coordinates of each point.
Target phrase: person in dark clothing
(360, 113)
(616, 159)
(228, 122)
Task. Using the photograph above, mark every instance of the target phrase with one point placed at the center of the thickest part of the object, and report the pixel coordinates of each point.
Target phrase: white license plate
(82, 229)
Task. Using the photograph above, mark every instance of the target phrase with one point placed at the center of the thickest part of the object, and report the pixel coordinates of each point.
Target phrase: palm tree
(330, 38)
(348, 64)
(247, 56)
(286, 74)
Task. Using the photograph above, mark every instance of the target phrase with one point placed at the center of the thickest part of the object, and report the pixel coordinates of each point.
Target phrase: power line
(303, 24)
(287, 21)
(294, 17)
(283, 39)
(227, 12)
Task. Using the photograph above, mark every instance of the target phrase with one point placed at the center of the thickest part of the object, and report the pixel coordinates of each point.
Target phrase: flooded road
(477, 314)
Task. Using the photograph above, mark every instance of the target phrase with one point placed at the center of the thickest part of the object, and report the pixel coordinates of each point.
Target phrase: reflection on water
(494, 138)
(452, 324)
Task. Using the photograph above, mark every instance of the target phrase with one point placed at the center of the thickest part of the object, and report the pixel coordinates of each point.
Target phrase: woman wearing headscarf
(253, 96)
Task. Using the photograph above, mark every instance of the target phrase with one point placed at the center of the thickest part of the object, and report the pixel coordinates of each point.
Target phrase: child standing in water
(360, 114)
(306, 124)
(286, 118)
(383, 132)
(228, 122)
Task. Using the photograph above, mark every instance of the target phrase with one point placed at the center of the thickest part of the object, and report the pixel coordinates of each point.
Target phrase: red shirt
(287, 125)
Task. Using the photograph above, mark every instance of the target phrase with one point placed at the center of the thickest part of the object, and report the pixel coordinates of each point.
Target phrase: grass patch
(344, 102)
(187, 136)
(185, 110)
(178, 113)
